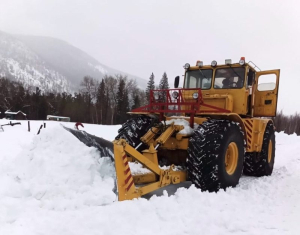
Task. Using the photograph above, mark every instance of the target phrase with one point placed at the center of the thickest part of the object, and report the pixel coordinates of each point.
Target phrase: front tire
(216, 155)
(133, 129)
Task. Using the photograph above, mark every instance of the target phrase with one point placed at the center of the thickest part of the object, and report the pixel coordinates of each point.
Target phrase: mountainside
(50, 63)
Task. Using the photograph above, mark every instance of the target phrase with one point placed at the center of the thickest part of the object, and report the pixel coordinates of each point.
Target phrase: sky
(141, 37)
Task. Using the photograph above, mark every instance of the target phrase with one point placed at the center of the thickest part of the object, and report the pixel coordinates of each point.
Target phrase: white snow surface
(53, 184)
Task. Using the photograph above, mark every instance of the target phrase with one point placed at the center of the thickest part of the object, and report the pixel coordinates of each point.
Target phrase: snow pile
(58, 171)
(55, 172)
(187, 129)
(54, 184)
(137, 168)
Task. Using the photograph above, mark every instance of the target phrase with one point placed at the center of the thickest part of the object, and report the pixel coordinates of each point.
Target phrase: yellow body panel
(224, 101)
(255, 129)
(173, 144)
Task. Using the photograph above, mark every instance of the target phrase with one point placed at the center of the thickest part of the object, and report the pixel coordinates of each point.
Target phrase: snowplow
(215, 128)
(210, 132)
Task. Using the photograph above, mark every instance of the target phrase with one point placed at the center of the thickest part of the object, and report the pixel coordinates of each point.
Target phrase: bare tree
(111, 91)
(89, 86)
(287, 124)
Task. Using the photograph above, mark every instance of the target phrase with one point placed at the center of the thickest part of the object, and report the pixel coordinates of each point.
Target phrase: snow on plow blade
(104, 146)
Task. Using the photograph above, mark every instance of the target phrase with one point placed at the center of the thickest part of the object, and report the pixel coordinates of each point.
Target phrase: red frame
(157, 106)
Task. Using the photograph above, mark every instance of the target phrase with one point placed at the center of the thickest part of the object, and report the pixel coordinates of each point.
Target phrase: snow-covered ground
(53, 184)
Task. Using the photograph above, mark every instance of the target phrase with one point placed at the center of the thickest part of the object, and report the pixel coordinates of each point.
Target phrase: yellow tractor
(209, 132)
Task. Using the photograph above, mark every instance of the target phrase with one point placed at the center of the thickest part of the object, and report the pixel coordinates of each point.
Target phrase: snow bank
(57, 168)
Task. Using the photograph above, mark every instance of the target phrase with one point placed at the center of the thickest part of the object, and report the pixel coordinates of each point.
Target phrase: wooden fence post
(40, 129)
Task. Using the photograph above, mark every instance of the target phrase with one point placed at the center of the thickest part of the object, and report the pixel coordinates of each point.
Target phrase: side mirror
(176, 82)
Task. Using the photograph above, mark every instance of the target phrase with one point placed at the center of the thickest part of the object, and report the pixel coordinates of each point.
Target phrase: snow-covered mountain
(49, 63)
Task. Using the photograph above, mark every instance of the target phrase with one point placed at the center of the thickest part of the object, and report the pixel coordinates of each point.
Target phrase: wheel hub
(231, 158)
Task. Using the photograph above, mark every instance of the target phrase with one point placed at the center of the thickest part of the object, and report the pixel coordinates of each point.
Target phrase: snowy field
(53, 184)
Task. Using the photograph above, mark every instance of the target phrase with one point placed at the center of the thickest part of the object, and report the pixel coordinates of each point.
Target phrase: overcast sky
(141, 37)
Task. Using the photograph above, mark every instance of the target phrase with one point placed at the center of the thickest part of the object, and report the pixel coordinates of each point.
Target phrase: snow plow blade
(104, 146)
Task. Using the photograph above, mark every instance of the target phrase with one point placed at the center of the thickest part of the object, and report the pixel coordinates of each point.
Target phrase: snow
(101, 69)
(137, 168)
(51, 116)
(51, 183)
(14, 113)
(41, 78)
(187, 129)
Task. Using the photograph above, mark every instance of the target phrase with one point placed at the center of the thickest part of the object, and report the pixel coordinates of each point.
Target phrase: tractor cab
(237, 87)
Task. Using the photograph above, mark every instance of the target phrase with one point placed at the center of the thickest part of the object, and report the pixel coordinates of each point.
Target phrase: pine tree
(102, 102)
(163, 85)
(122, 102)
(137, 102)
(150, 86)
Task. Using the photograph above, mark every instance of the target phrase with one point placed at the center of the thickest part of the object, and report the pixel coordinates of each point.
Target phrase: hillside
(50, 63)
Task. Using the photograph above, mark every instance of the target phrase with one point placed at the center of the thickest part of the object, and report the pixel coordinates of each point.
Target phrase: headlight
(195, 95)
(228, 61)
(199, 63)
(175, 95)
(242, 61)
(214, 63)
(186, 66)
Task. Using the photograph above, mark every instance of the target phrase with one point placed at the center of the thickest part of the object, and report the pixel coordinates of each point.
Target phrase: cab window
(229, 78)
(198, 79)
(266, 82)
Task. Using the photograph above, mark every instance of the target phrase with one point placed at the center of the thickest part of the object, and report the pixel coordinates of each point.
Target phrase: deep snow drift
(53, 184)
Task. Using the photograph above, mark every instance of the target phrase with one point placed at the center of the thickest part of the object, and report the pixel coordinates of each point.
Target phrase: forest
(106, 102)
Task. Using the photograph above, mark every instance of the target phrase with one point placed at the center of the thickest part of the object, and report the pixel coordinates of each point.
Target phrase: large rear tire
(216, 155)
(133, 129)
(262, 164)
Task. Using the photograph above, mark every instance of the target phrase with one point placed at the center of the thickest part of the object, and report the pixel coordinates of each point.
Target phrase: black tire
(206, 155)
(258, 164)
(133, 129)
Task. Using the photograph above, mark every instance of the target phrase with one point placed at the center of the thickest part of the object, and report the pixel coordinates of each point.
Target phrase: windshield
(198, 79)
(229, 78)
